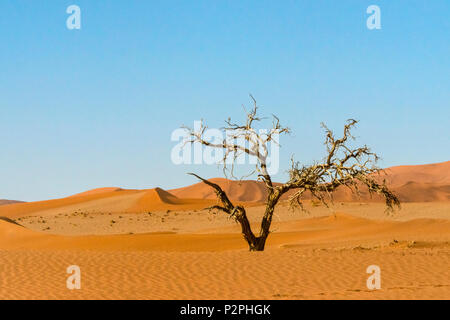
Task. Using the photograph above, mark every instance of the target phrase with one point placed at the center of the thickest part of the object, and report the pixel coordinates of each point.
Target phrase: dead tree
(343, 166)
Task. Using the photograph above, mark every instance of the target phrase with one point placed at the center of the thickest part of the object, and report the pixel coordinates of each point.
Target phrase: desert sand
(157, 244)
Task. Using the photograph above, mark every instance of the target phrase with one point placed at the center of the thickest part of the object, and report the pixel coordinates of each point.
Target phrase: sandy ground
(197, 255)
(275, 274)
(74, 221)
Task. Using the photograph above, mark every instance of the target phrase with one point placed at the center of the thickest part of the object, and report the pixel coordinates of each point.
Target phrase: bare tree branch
(238, 213)
(343, 166)
(221, 195)
(256, 142)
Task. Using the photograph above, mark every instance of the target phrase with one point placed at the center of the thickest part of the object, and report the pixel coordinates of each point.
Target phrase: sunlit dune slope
(436, 173)
(159, 199)
(96, 191)
(70, 203)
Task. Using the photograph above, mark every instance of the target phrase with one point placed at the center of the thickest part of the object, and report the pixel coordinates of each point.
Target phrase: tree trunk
(246, 229)
(241, 216)
(260, 242)
(256, 243)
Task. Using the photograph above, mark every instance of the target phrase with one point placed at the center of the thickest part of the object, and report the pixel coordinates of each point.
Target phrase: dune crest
(4, 202)
(96, 191)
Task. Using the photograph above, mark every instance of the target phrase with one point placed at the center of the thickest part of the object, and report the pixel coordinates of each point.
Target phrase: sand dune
(425, 183)
(107, 200)
(247, 190)
(159, 199)
(437, 173)
(5, 202)
(423, 192)
(421, 183)
(72, 203)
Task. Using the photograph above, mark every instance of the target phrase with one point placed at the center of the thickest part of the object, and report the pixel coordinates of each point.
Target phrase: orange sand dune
(421, 183)
(106, 200)
(247, 191)
(423, 192)
(29, 208)
(437, 173)
(409, 192)
(425, 183)
(159, 199)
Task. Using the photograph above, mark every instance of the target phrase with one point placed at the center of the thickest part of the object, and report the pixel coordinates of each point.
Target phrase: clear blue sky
(95, 107)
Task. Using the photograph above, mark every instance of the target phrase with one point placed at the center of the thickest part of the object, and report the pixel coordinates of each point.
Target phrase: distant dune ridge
(108, 200)
(96, 191)
(421, 183)
(5, 202)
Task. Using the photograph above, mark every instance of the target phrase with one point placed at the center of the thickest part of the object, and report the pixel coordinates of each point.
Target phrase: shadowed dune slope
(5, 202)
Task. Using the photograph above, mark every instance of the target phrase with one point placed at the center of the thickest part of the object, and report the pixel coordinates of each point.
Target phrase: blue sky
(95, 107)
